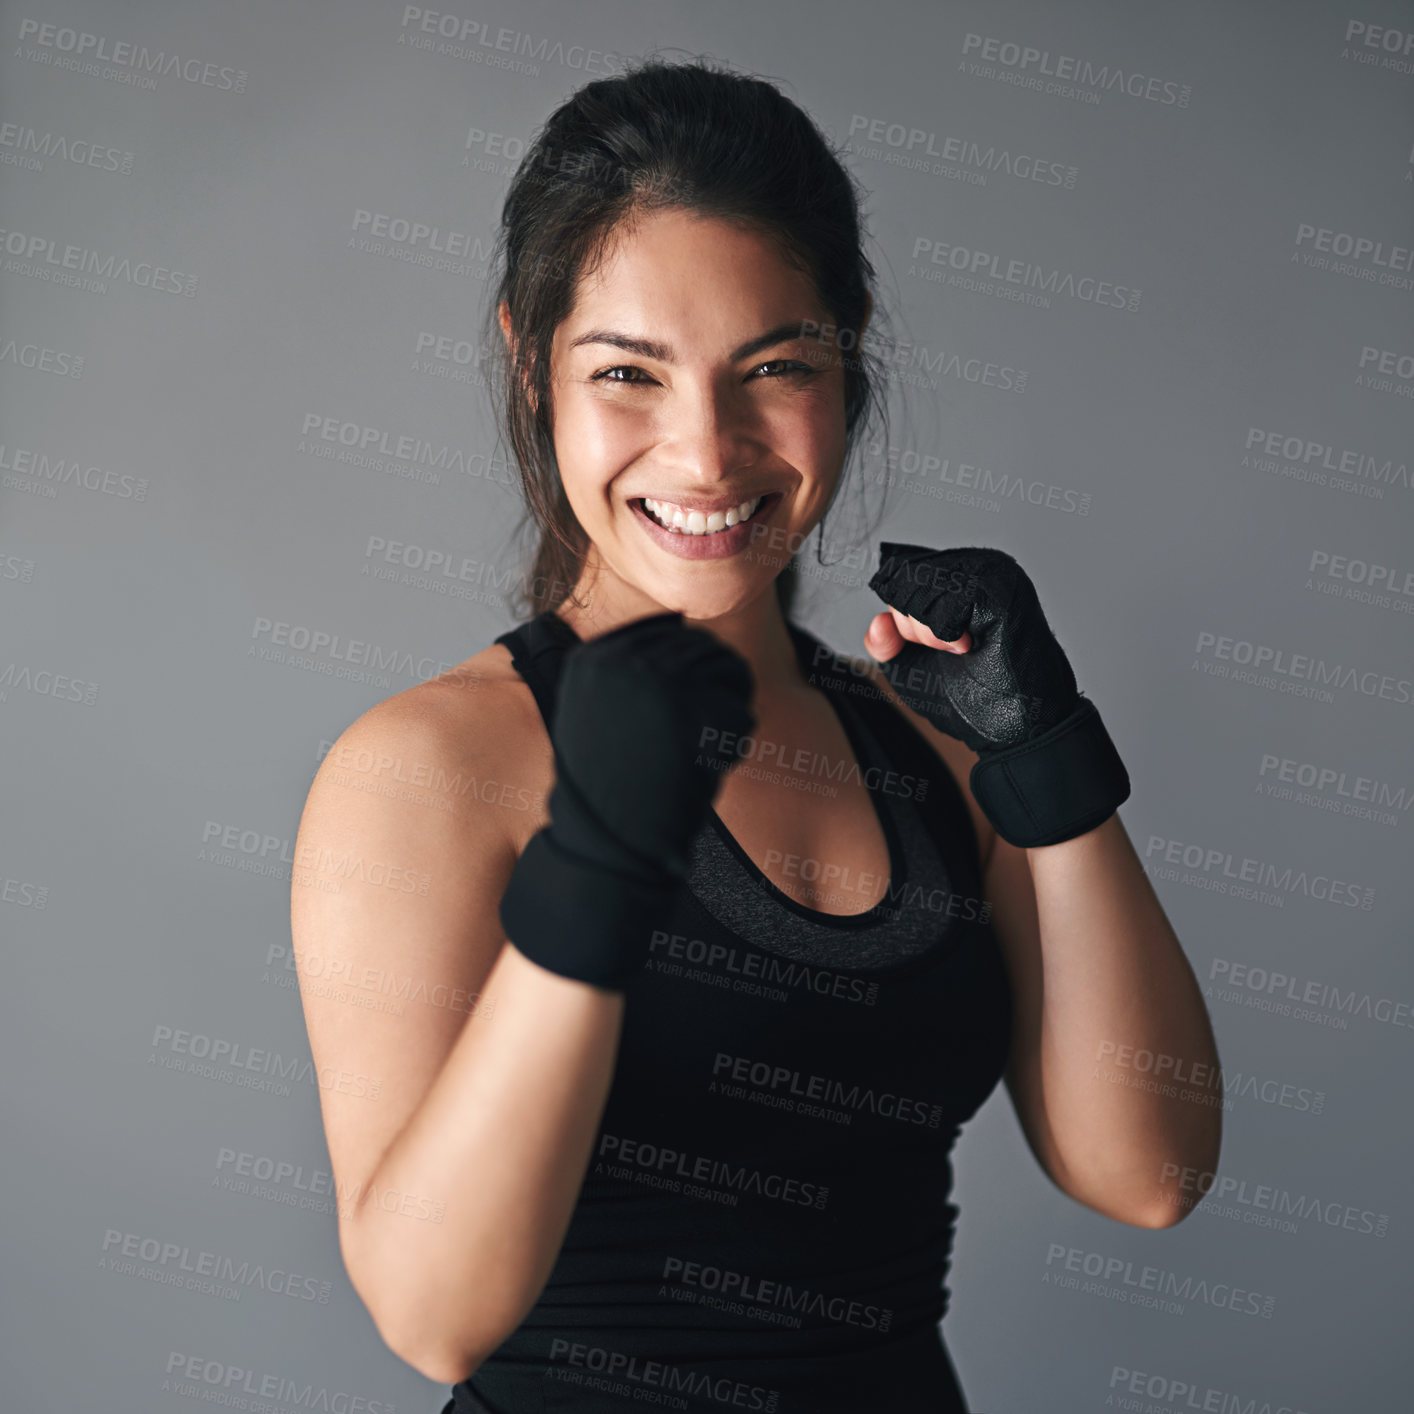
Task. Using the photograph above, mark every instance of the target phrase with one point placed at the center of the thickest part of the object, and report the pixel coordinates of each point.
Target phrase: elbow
(412, 1323)
(1178, 1192)
(1157, 1216)
(442, 1356)
(1146, 1206)
(439, 1366)
(1153, 1214)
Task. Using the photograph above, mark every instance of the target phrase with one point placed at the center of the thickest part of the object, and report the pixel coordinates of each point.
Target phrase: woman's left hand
(968, 644)
(968, 647)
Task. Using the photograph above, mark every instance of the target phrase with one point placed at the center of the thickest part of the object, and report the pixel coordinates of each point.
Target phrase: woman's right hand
(648, 719)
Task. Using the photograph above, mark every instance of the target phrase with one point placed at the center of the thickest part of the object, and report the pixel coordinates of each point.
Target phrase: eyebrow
(663, 353)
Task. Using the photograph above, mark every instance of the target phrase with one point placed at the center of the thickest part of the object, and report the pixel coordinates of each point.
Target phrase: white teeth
(694, 522)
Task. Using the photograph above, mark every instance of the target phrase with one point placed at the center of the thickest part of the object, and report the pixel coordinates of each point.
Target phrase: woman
(749, 937)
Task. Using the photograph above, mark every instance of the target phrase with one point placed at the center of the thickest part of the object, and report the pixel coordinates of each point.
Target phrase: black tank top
(765, 1221)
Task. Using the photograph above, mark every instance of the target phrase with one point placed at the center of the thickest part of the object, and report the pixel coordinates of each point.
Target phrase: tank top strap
(538, 649)
(908, 751)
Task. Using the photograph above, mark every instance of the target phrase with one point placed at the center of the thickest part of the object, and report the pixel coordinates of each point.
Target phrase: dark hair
(660, 135)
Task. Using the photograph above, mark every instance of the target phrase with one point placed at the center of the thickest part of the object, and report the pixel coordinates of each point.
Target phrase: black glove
(648, 718)
(1047, 768)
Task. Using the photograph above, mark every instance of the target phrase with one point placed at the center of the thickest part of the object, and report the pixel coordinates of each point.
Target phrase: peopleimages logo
(917, 364)
(946, 155)
(741, 1293)
(39, 471)
(176, 1264)
(23, 146)
(1183, 1394)
(1032, 67)
(1388, 363)
(1242, 876)
(402, 454)
(135, 63)
(49, 259)
(1358, 794)
(1148, 1286)
(612, 1370)
(40, 358)
(44, 682)
(1180, 1078)
(285, 1182)
(477, 42)
(324, 651)
(1348, 577)
(803, 763)
(1299, 674)
(1037, 282)
(666, 1167)
(928, 472)
(438, 570)
(1379, 45)
(752, 971)
(23, 894)
(250, 1067)
(1314, 460)
(1358, 256)
(218, 1381)
(1313, 992)
(1266, 1204)
(793, 1088)
(1310, 462)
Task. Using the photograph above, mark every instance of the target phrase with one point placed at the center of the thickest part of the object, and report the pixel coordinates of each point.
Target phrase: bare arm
(458, 1180)
(1102, 990)
(1114, 1070)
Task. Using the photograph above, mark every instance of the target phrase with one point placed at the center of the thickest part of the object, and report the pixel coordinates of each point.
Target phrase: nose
(709, 433)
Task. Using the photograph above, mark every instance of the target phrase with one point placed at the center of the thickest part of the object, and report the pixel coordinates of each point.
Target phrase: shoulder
(956, 755)
(466, 740)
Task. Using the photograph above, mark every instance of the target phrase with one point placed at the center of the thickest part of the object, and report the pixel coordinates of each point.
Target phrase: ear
(503, 317)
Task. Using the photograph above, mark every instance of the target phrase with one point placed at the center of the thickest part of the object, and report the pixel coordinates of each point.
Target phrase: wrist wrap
(1060, 785)
(579, 919)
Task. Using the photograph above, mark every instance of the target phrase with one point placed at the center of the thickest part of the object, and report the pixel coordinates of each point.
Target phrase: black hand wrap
(1047, 769)
(1059, 785)
(648, 718)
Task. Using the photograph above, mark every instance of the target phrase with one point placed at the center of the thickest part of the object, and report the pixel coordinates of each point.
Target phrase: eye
(787, 365)
(790, 365)
(603, 374)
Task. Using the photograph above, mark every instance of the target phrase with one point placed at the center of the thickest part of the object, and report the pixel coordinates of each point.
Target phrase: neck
(756, 630)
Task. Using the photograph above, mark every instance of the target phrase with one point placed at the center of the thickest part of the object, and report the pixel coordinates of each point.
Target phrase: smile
(673, 517)
(695, 536)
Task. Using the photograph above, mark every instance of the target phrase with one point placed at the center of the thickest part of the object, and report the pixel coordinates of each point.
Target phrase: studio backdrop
(1151, 272)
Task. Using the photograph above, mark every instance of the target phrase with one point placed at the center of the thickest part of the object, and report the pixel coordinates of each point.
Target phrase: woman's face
(739, 397)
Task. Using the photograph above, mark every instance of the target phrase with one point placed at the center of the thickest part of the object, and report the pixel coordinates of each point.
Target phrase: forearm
(502, 1141)
(1127, 1062)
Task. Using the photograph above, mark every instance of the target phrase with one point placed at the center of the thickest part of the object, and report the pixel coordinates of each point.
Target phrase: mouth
(673, 518)
(691, 539)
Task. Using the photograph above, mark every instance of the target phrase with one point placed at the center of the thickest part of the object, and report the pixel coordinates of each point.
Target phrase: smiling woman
(699, 424)
(746, 952)
(716, 240)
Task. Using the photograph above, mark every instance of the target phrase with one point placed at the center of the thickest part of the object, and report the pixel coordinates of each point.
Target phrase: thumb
(882, 638)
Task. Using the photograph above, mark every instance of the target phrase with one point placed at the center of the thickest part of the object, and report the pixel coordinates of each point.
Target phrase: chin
(705, 604)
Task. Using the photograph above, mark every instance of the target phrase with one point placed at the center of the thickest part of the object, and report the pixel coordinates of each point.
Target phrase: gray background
(160, 510)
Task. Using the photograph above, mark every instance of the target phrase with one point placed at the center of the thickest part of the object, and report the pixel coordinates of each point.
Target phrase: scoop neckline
(805, 642)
